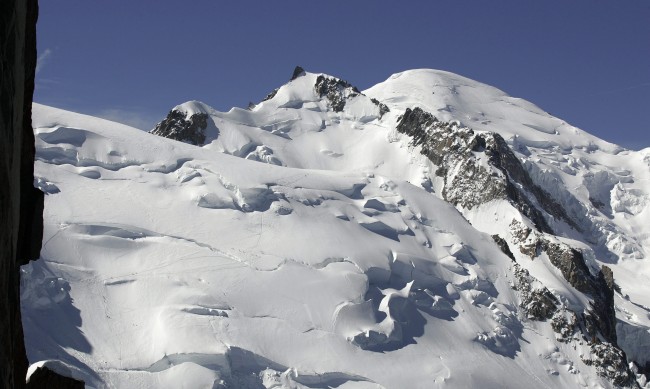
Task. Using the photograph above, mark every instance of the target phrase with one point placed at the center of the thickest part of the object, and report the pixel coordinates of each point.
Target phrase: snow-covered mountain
(430, 231)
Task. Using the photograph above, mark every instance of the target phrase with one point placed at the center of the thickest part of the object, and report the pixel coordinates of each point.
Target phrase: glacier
(430, 231)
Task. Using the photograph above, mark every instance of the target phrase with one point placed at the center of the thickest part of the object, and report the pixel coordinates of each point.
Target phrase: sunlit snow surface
(298, 249)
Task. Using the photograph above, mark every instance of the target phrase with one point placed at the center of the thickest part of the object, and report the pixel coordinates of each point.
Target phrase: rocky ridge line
(452, 148)
(458, 153)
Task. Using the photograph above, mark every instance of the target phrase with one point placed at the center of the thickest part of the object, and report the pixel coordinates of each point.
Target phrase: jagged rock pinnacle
(297, 72)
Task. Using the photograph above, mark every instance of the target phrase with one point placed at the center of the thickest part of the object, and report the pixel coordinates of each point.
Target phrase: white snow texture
(308, 247)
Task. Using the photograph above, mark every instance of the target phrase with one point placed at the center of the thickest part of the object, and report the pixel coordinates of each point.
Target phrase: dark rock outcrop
(415, 123)
(336, 91)
(502, 157)
(503, 245)
(21, 205)
(43, 377)
(597, 323)
(537, 302)
(610, 362)
(383, 108)
(179, 127)
(271, 95)
(528, 241)
(565, 325)
(600, 320)
(572, 265)
(297, 72)
(453, 148)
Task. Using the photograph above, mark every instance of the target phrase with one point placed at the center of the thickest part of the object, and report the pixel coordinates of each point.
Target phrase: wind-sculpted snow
(581, 176)
(309, 244)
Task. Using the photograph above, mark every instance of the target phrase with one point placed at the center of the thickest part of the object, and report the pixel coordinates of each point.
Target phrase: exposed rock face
(502, 157)
(336, 91)
(383, 108)
(21, 205)
(480, 167)
(297, 72)
(179, 127)
(271, 95)
(43, 377)
(536, 300)
(597, 325)
(458, 151)
(565, 324)
(526, 239)
(571, 264)
(610, 362)
(601, 320)
(503, 245)
(415, 123)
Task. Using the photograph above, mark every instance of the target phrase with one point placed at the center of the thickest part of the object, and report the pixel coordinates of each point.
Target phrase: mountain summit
(430, 231)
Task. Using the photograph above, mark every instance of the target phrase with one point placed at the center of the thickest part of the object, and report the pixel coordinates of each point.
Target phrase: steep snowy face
(385, 240)
(585, 175)
(564, 181)
(315, 121)
(570, 179)
(452, 97)
(582, 173)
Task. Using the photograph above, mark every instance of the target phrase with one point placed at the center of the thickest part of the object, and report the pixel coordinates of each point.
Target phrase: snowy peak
(309, 115)
(479, 168)
(399, 231)
(579, 171)
(482, 107)
(305, 88)
(540, 151)
(194, 107)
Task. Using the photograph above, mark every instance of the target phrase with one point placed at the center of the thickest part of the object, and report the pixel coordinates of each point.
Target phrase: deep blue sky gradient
(585, 61)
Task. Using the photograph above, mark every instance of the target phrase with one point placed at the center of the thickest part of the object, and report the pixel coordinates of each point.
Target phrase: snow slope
(604, 187)
(308, 245)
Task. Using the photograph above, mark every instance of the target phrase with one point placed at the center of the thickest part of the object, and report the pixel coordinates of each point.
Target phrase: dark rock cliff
(454, 148)
(335, 90)
(21, 205)
(297, 72)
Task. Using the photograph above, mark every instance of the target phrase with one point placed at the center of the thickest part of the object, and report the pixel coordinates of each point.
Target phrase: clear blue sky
(585, 61)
